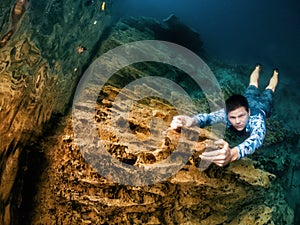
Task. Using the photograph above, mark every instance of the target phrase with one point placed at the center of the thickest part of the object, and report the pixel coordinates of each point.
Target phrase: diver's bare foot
(255, 76)
(273, 81)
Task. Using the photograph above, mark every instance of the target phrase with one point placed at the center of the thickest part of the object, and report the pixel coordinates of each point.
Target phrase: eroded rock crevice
(47, 179)
(76, 193)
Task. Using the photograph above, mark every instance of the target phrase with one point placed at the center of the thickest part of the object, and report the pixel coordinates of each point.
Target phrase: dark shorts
(262, 101)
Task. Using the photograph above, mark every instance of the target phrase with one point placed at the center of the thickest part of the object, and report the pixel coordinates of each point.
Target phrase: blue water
(240, 32)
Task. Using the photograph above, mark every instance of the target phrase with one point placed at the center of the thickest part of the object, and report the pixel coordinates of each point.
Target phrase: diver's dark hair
(236, 101)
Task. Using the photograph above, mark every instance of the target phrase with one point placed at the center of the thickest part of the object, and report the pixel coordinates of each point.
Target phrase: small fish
(80, 49)
(103, 6)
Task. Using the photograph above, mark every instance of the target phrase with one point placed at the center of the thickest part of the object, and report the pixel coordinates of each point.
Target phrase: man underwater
(242, 113)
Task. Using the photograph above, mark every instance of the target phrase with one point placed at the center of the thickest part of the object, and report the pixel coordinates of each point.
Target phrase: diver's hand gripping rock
(223, 155)
(180, 121)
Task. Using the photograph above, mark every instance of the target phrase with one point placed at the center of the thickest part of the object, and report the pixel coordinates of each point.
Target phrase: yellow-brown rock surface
(71, 192)
(39, 68)
(46, 180)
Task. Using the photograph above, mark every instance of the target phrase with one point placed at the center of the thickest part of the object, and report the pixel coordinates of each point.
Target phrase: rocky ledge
(45, 179)
(71, 191)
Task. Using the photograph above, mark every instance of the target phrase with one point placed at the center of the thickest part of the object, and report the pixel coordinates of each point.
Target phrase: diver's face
(239, 118)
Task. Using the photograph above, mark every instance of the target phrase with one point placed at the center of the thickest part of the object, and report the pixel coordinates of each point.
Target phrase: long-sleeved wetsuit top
(256, 126)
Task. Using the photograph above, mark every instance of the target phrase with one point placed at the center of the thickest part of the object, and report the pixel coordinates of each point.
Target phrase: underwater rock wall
(70, 191)
(45, 179)
(44, 48)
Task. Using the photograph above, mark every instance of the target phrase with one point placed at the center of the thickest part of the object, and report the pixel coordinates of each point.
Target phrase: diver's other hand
(223, 155)
(180, 121)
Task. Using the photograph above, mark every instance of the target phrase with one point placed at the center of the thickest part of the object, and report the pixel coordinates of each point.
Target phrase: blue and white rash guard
(256, 126)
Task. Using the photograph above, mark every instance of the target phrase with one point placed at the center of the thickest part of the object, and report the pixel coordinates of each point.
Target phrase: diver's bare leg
(255, 76)
(273, 81)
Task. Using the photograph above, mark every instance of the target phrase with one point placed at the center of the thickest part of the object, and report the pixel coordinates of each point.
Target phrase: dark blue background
(236, 31)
